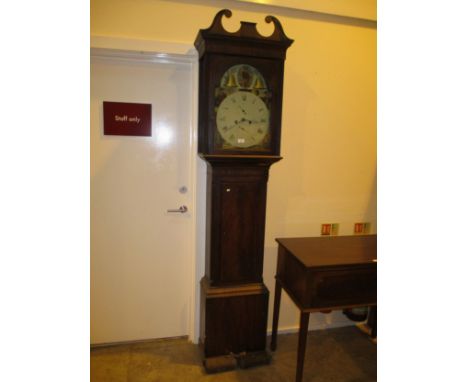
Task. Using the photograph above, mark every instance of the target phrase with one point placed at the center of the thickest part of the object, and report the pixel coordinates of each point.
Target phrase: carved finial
(217, 26)
(278, 33)
(247, 33)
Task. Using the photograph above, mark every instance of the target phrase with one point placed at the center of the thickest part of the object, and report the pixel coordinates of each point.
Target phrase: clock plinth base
(233, 325)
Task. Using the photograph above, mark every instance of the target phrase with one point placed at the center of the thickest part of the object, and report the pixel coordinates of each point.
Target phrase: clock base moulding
(233, 326)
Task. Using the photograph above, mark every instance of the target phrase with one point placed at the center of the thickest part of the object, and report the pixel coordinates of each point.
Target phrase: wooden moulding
(233, 326)
(247, 33)
(229, 160)
(231, 290)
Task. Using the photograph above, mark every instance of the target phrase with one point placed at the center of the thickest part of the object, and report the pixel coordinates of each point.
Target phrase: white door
(141, 255)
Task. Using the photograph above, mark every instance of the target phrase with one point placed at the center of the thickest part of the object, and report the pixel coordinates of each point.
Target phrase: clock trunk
(236, 210)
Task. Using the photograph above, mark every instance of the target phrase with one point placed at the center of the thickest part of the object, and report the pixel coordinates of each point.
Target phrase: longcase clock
(239, 131)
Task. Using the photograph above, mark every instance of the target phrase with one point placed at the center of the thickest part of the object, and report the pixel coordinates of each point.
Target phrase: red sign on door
(121, 118)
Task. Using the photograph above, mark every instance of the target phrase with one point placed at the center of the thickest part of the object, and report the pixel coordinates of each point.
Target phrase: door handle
(181, 209)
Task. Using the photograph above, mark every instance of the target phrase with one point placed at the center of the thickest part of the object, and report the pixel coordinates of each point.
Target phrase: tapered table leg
(303, 329)
(276, 308)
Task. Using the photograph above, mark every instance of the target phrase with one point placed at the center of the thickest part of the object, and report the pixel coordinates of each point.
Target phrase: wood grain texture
(234, 299)
(325, 273)
(236, 208)
(234, 323)
(332, 251)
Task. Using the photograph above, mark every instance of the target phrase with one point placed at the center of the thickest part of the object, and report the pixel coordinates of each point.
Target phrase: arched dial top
(243, 76)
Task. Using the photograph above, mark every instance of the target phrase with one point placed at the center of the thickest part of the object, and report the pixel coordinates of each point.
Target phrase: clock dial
(243, 119)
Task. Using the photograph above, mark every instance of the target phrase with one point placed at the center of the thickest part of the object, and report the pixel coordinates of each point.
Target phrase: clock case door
(236, 208)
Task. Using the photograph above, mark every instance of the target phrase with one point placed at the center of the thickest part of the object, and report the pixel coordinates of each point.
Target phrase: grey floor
(342, 354)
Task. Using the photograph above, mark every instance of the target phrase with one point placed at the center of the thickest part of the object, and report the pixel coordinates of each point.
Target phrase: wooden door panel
(239, 249)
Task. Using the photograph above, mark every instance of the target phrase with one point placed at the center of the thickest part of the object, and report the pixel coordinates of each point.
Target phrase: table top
(327, 251)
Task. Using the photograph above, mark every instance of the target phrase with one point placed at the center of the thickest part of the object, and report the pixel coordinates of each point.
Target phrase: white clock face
(243, 119)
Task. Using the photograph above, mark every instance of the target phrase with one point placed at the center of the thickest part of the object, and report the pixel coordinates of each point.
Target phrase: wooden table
(325, 273)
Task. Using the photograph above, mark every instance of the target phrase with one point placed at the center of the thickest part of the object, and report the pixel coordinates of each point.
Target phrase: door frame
(161, 52)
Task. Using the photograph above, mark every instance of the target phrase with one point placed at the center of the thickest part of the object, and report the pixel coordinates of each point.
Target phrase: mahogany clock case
(234, 299)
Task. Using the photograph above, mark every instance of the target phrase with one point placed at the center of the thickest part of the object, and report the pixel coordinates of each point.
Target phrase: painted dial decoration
(242, 119)
(243, 77)
(242, 112)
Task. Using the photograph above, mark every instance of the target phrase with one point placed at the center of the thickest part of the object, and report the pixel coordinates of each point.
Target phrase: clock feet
(230, 362)
(219, 364)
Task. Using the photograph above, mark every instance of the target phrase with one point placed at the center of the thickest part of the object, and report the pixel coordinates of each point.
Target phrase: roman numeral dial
(243, 119)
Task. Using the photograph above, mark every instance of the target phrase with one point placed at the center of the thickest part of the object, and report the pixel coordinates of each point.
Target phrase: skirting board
(295, 329)
(131, 342)
(283, 330)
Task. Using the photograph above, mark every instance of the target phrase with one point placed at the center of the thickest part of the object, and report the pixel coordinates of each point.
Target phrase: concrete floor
(339, 355)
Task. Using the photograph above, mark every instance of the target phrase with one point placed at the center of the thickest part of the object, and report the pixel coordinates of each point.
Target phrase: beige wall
(363, 9)
(328, 174)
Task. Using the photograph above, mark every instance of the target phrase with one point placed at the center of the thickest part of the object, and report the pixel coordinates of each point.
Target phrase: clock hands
(244, 130)
(242, 119)
(242, 110)
(237, 123)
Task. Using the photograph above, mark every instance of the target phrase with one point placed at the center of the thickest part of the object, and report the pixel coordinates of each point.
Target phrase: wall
(363, 9)
(328, 174)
